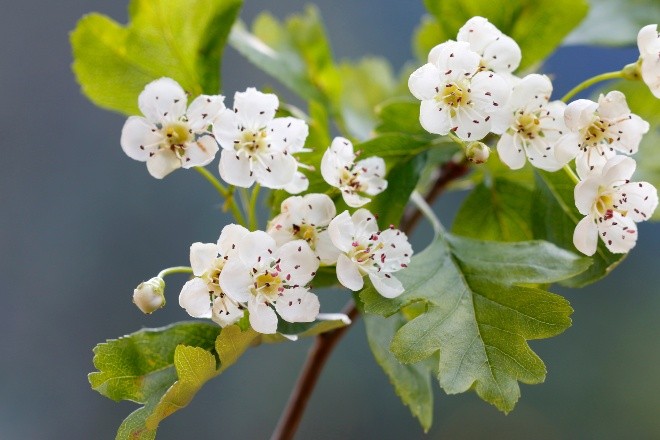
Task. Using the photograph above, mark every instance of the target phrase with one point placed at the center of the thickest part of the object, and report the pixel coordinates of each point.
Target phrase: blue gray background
(81, 224)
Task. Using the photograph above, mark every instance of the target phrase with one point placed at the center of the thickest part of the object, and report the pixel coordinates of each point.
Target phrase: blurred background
(81, 224)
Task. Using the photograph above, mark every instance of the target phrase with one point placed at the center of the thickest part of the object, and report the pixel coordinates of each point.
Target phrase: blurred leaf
(615, 22)
(554, 217)
(412, 383)
(538, 26)
(427, 35)
(180, 39)
(496, 209)
(479, 313)
(401, 116)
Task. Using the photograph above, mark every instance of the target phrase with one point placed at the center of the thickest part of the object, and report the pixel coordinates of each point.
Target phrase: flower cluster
(468, 88)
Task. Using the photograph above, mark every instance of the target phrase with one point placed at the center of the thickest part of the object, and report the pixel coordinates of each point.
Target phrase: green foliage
(181, 39)
(497, 209)
(615, 22)
(480, 312)
(538, 26)
(401, 116)
(554, 217)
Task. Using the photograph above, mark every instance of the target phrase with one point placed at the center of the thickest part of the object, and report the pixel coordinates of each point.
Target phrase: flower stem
(456, 139)
(427, 211)
(226, 193)
(252, 208)
(590, 82)
(571, 174)
(172, 270)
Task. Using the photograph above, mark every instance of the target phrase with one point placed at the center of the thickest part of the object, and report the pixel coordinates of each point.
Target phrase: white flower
(366, 251)
(499, 52)
(339, 169)
(612, 205)
(202, 296)
(598, 131)
(272, 279)
(149, 296)
(648, 41)
(307, 218)
(169, 137)
(456, 95)
(531, 125)
(257, 147)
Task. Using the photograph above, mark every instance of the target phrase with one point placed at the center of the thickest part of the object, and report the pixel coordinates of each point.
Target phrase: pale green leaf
(538, 26)
(401, 116)
(179, 39)
(480, 314)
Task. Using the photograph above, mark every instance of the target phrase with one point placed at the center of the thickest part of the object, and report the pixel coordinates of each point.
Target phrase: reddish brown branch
(325, 342)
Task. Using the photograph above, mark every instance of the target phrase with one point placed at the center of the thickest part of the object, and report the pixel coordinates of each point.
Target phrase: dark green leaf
(180, 39)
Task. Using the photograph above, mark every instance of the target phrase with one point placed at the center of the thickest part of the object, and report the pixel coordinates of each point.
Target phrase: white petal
(638, 199)
(353, 199)
(298, 263)
(195, 298)
(226, 312)
(235, 169)
(619, 233)
(281, 229)
(585, 194)
(298, 305)
(585, 236)
(226, 129)
(254, 108)
(651, 73)
(343, 148)
(342, 230)
(479, 33)
(502, 55)
(648, 40)
(262, 318)
(229, 238)
(567, 147)
(316, 209)
(256, 248)
(276, 170)
(202, 257)
(162, 163)
(592, 161)
(471, 125)
(490, 92)
(532, 92)
(613, 105)
(454, 60)
(618, 169)
(331, 166)
(372, 171)
(162, 100)
(425, 82)
(235, 280)
(541, 155)
(200, 152)
(326, 251)
(511, 151)
(348, 274)
(288, 133)
(298, 184)
(579, 114)
(204, 110)
(365, 224)
(387, 285)
(396, 252)
(434, 118)
(139, 137)
(627, 134)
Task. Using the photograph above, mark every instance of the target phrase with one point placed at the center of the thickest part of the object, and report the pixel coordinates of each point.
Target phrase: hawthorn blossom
(256, 146)
(456, 94)
(598, 131)
(169, 136)
(271, 279)
(202, 296)
(149, 296)
(531, 126)
(367, 251)
(612, 205)
(499, 52)
(306, 218)
(648, 42)
(339, 169)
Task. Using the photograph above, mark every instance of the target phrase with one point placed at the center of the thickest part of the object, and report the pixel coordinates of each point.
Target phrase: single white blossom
(499, 52)
(339, 169)
(612, 205)
(598, 131)
(169, 136)
(531, 126)
(648, 42)
(202, 296)
(256, 146)
(456, 94)
(149, 296)
(271, 279)
(306, 217)
(367, 251)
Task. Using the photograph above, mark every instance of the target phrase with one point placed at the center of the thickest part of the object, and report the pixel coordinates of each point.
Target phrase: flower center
(177, 134)
(348, 177)
(596, 132)
(307, 233)
(364, 254)
(253, 142)
(454, 94)
(528, 125)
(268, 284)
(213, 275)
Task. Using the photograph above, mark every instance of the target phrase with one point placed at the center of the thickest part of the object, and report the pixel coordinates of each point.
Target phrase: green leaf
(615, 22)
(412, 383)
(538, 26)
(427, 35)
(401, 116)
(180, 39)
(479, 313)
(554, 217)
(497, 209)
(325, 322)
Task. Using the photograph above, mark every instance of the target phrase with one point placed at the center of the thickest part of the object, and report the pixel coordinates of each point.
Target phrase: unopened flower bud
(632, 71)
(149, 296)
(477, 152)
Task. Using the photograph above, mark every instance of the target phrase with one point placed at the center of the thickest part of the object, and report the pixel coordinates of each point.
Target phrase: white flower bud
(477, 152)
(149, 295)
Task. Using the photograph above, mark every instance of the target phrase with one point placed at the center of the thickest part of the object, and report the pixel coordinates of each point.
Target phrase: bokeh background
(81, 225)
